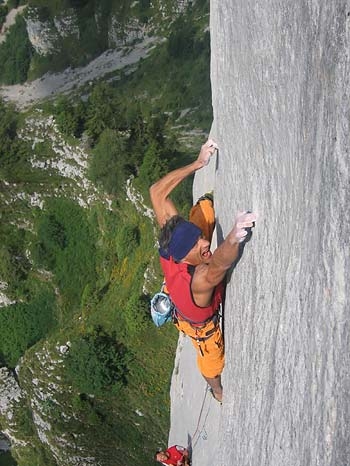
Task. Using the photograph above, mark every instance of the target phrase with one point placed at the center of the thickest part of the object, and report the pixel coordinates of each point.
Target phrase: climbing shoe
(213, 395)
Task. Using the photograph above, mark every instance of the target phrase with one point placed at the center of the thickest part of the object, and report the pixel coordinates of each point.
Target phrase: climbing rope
(199, 419)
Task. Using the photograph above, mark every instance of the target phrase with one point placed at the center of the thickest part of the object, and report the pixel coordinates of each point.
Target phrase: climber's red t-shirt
(178, 278)
(175, 454)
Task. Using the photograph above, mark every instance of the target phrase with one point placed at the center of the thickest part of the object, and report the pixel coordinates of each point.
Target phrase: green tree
(153, 166)
(109, 163)
(14, 152)
(102, 110)
(53, 240)
(70, 117)
(8, 131)
(3, 14)
(137, 130)
(15, 54)
(181, 39)
(14, 3)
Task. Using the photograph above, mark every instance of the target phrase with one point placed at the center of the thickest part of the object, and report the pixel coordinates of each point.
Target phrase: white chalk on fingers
(241, 235)
(211, 143)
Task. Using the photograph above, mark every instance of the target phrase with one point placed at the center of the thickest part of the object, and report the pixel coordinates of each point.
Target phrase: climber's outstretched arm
(163, 207)
(207, 276)
(227, 253)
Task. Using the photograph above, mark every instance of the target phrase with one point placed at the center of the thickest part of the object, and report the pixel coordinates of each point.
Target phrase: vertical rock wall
(280, 80)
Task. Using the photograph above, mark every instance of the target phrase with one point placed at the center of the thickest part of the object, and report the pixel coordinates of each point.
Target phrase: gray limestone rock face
(280, 79)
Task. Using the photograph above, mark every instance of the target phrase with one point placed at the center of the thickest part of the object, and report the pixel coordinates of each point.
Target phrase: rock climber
(174, 456)
(194, 276)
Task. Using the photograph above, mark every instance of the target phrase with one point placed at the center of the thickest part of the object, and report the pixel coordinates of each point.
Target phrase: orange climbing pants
(207, 339)
(210, 351)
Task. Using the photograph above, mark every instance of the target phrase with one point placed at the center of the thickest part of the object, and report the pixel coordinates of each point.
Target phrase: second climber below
(194, 276)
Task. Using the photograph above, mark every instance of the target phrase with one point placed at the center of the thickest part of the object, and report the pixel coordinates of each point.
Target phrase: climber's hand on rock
(243, 221)
(207, 150)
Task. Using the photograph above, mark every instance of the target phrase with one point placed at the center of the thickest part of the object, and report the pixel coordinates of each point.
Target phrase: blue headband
(183, 238)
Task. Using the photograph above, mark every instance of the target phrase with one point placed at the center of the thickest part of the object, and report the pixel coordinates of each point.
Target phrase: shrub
(66, 245)
(127, 240)
(22, 325)
(14, 265)
(135, 313)
(96, 362)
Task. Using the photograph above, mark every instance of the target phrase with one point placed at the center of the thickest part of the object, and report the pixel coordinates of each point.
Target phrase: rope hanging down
(191, 443)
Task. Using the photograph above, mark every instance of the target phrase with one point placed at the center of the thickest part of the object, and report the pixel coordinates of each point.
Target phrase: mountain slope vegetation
(78, 257)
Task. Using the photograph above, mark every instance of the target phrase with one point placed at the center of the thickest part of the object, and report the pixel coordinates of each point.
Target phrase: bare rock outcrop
(280, 82)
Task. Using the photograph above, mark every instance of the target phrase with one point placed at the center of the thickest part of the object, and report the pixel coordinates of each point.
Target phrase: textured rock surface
(281, 104)
(280, 79)
(42, 35)
(10, 393)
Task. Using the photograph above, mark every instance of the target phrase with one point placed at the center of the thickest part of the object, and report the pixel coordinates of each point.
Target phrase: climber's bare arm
(163, 206)
(208, 276)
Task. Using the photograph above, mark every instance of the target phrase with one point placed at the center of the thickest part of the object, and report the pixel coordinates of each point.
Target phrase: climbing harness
(197, 326)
